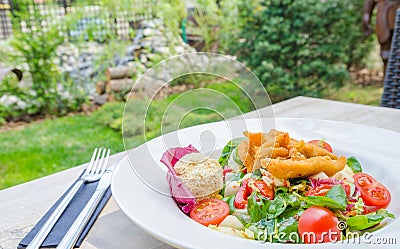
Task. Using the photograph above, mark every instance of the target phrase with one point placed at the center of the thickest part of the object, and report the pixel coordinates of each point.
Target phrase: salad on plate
(274, 188)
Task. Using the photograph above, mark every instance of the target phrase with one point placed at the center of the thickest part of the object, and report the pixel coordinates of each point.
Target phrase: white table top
(20, 207)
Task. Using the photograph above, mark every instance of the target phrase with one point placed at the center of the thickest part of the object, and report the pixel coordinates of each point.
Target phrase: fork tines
(97, 163)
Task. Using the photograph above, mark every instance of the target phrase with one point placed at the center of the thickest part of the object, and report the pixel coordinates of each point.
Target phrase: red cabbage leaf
(183, 197)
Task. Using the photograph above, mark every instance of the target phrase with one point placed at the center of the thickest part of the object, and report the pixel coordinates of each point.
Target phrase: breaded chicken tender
(286, 157)
(290, 168)
(261, 145)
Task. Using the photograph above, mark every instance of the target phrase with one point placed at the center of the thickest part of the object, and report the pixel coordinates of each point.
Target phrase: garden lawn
(367, 95)
(43, 148)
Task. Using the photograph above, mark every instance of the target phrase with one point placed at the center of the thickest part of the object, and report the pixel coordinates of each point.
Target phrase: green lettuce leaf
(228, 149)
(257, 209)
(362, 222)
(334, 199)
(354, 164)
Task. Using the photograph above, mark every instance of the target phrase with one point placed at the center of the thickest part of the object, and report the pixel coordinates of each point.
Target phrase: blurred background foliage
(308, 47)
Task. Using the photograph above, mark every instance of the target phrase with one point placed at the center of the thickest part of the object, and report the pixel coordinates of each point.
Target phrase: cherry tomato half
(318, 224)
(210, 212)
(322, 144)
(323, 189)
(373, 192)
(319, 191)
(265, 190)
(245, 191)
(370, 209)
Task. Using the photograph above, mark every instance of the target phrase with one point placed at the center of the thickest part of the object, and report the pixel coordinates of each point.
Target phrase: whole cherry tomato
(317, 225)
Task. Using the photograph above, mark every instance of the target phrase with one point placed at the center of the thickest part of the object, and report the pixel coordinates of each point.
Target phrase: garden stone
(65, 58)
(151, 44)
(162, 50)
(143, 58)
(165, 77)
(157, 21)
(139, 35)
(127, 59)
(179, 49)
(119, 85)
(148, 32)
(142, 67)
(89, 72)
(205, 60)
(132, 48)
(71, 60)
(68, 68)
(159, 43)
(158, 83)
(85, 65)
(100, 87)
(146, 42)
(148, 24)
(154, 57)
(144, 82)
(158, 32)
(100, 99)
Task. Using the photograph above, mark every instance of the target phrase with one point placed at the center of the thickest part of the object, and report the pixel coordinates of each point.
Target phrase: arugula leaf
(228, 149)
(276, 207)
(362, 222)
(291, 200)
(236, 157)
(239, 175)
(256, 209)
(257, 174)
(230, 200)
(334, 199)
(338, 194)
(324, 202)
(354, 164)
(264, 230)
(292, 212)
(288, 227)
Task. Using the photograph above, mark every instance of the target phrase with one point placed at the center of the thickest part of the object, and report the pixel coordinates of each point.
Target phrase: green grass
(50, 146)
(368, 95)
(43, 148)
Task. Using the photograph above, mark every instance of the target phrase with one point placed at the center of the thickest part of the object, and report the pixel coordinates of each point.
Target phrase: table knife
(81, 221)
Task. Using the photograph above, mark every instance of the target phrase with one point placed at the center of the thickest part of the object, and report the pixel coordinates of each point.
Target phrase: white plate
(140, 179)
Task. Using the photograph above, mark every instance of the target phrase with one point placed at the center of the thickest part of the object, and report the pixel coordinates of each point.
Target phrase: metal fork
(94, 171)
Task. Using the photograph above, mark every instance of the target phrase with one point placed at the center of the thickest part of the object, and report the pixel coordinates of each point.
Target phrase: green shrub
(299, 47)
(35, 46)
(15, 101)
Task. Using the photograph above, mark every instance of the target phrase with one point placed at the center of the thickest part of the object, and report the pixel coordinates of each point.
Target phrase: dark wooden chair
(5, 70)
(391, 88)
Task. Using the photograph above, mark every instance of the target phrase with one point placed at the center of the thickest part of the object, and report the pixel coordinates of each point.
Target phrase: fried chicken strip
(259, 145)
(291, 168)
